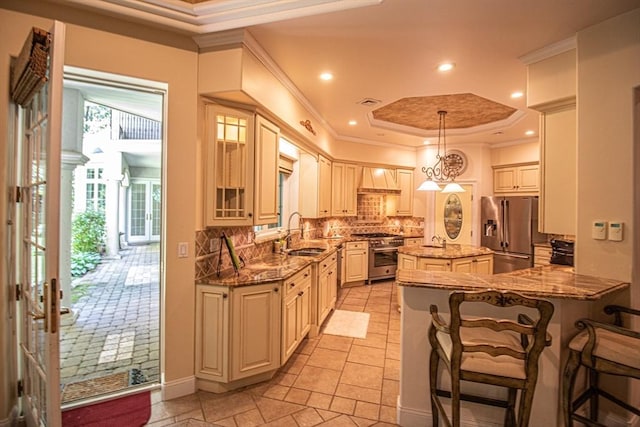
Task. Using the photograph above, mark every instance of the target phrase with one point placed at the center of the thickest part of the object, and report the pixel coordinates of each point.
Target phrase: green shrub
(87, 239)
(88, 232)
(83, 262)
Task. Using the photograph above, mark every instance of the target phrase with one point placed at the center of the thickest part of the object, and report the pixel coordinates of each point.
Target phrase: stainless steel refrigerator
(509, 226)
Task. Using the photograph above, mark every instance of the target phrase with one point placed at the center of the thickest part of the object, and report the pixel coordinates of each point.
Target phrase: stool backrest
(533, 333)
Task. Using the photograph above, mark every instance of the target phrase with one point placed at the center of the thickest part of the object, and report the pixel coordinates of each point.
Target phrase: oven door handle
(375, 250)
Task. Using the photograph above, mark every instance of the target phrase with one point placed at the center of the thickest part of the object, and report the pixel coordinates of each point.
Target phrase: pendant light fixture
(447, 166)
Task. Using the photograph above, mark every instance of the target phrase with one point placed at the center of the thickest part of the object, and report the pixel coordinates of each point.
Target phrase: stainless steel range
(383, 254)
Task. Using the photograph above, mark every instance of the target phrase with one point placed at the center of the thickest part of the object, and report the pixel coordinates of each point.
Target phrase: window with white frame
(95, 189)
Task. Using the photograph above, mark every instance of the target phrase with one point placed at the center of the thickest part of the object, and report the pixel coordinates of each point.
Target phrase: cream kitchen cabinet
(296, 312)
(212, 332)
(541, 255)
(324, 186)
(326, 290)
(241, 168)
(516, 178)
(469, 264)
(356, 260)
(411, 241)
(343, 189)
(552, 90)
(315, 186)
(237, 333)
(402, 204)
(557, 207)
(267, 153)
(433, 264)
(477, 264)
(407, 262)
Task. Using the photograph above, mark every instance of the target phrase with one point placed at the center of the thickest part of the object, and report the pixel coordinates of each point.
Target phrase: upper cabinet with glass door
(233, 171)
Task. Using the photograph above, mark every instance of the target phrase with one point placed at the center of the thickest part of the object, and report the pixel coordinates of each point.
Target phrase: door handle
(37, 316)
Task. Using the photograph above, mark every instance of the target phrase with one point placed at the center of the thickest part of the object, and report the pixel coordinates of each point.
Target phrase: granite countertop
(272, 267)
(549, 281)
(451, 251)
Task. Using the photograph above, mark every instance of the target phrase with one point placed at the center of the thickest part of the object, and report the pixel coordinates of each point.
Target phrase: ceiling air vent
(369, 102)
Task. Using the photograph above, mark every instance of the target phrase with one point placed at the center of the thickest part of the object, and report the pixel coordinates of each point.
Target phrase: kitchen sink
(306, 251)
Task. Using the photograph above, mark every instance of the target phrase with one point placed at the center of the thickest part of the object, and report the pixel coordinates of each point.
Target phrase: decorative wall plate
(458, 160)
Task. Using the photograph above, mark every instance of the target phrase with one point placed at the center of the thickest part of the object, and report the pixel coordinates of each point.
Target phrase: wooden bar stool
(492, 351)
(600, 348)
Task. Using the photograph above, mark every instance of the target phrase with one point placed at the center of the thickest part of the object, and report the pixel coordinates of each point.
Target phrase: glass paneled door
(38, 205)
(144, 211)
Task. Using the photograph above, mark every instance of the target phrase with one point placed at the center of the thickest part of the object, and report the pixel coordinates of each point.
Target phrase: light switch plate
(183, 249)
(616, 231)
(599, 230)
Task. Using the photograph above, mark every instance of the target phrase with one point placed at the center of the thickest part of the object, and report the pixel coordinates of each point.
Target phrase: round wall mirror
(453, 216)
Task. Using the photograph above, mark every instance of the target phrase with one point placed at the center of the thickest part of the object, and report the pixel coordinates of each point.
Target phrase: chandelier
(447, 166)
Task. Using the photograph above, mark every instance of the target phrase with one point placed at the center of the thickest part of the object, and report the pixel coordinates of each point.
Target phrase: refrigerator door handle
(508, 255)
(501, 228)
(505, 224)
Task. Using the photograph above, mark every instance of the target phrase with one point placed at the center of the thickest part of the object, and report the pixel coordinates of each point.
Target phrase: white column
(70, 159)
(113, 176)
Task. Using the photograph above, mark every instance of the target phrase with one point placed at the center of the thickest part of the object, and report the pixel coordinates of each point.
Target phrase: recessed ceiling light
(446, 66)
(426, 142)
(352, 123)
(517, 94)
(530, 132)
(326, 76)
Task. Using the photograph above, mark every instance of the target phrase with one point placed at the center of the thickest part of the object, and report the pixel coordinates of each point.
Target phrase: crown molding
(218, 15)
(548, 51)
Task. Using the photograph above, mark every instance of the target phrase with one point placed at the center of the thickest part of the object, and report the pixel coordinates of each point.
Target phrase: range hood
(377, 180)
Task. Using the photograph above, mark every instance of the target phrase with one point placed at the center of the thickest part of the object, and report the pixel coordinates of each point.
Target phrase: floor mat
(348, 324)
(101, 385)
(133, 410)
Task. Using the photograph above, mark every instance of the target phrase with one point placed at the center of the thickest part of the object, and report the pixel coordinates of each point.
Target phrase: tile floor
(330, 380)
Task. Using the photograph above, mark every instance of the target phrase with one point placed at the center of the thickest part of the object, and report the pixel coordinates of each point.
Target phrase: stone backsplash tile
(370, 219)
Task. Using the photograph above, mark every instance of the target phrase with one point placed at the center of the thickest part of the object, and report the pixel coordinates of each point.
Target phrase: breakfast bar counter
(574, 296)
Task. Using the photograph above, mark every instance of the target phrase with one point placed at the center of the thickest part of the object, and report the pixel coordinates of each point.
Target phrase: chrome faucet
(287, 237)
(441, 240)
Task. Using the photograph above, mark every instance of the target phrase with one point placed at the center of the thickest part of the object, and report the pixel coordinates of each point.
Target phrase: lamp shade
(429, 185)
(453, 187)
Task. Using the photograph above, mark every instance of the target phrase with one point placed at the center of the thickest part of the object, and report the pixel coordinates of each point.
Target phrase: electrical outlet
(249, 237)
(213, 245)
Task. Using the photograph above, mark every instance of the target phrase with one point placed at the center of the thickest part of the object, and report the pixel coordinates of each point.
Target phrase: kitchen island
(451, 257)
(573, 296)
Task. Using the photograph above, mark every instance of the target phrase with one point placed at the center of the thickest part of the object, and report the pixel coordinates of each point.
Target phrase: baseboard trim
(178, 388)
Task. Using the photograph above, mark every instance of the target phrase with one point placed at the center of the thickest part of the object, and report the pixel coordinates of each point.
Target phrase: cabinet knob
(306, 274)
(474, 260)
(249, 214)
(224, 295)
(275, 290)
(300, 293)
(330, 273)
(293, 285)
